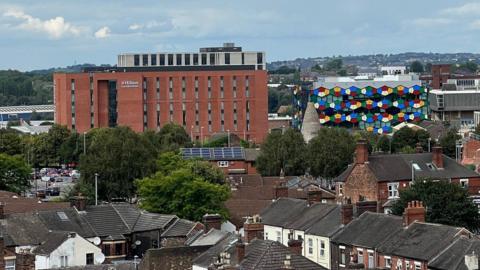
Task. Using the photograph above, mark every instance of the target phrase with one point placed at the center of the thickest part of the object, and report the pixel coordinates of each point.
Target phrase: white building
(228, 55)
(64, 249)
(315, 225)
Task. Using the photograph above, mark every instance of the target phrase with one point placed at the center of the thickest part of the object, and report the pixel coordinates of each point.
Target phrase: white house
(64, 249)
(314, 224)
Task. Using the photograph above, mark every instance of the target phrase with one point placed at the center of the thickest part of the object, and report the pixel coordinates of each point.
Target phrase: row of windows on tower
(187, 59)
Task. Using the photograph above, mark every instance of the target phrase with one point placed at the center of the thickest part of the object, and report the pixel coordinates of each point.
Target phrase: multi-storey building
(227, 92)
(374, 105)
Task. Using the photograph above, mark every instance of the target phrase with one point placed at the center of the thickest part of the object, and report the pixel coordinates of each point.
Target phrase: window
(407, 264)
(343, 256)
(187, 59)
(209, 87)
(63, 261)
(179, 59)
(392, 190)
(266, 235)
(279, 236)
(162, 59)
(388, 261)
(227, 59)
(399, 264)
(212, 59)
(153, 59)
(360, 256)
(195, 59)
(196, 87)
(170, 88)
(106, 249)
(243, 59)
(322, 248)
(89, 258)
(184, 90)
(310, 246)
(247, 87)
(259, 58)
(145, 59)
(223, 164)
(170, 59)
(10, 264)
(221, 87)
(136, 60)
(340, 189)
(464, 183)
(119, 248)
(204, 58)
(418, 265)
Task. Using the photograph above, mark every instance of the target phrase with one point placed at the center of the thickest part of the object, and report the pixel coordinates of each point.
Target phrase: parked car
(41, 194)
(53, 191)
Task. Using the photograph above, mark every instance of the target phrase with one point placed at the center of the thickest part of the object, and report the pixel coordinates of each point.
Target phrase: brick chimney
(240, 249)
(281, 190)
(366, 206)
(295, 246)
(2, 210)
(253, 228)
(361, 152)
(346, 212)
(212, 221)
(418, 148)
(79, 202)
(437, 157)
(25, 260)
(414, 212)
(287, 263)
(313, 196)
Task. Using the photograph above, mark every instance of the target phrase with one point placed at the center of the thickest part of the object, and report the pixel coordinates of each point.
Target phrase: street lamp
(191, 133)
(429, 140)
(228, 132)
(84, 143)
(201, 136)
(96, 188)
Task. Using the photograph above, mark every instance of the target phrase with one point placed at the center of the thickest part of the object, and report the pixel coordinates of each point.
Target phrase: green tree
(448, 142)
(477, 130)
(330, 152)
(334, 65)
(14, 174)
(409, 137)
(10, 142)
(383, 144)
(446, 203)
(184, 192)
(172, 137)
(282, 151)
(407, 149)
(119, 156)
(416, 66)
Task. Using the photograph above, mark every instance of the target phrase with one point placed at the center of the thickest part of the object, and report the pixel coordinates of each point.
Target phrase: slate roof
(282, 211)
(105, 221)
(210, 238)
(73, 223)
(369, 230)
(18, 204)
(310, 215)
(152, 221)
(381, 167)
(208, 257)
(116, 266)
(270, 255)
(422, 241)
(52, 242)
(128, 212)
(453, 257)
(328, 225)
(181, 227)
(24, 229)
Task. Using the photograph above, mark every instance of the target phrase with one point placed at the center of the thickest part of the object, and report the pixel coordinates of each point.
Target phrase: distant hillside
(368, 61)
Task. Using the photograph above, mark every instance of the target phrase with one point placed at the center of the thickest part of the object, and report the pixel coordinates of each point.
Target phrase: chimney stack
(253, 228)
(313, 196)
(414, 212)
(366, 206)
(437, 157)
(240, 248)
(346, 213)
(361, 152)
(25, 260)
(295, 246)
(212, 221)
(281, 190)
(79, 202)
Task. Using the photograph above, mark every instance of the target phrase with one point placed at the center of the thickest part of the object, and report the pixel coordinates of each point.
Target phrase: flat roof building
(204, 97)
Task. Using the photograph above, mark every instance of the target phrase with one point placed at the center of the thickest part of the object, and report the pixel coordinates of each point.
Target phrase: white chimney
(471, 261)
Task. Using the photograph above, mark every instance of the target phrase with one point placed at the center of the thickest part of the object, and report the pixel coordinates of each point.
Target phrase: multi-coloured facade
(373, 105)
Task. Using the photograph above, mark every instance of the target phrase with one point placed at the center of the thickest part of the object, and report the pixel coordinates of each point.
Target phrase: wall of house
(360, 183)
(178, 258)
(315, 255)
(149, 239)
(473, 184)
(335, 256)
(270, 233)
(299, 235)
(403, 262)
(75, 248)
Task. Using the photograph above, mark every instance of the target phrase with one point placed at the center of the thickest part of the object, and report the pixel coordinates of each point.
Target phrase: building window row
(72, 96)
(189, 59)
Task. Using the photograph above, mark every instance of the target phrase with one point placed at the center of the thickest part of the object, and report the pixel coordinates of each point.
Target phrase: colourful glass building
(374, 105)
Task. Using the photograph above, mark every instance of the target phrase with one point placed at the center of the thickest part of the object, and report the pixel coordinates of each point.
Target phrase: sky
(56, 33)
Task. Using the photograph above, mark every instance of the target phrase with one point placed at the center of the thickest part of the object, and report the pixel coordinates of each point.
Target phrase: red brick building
(205, 98)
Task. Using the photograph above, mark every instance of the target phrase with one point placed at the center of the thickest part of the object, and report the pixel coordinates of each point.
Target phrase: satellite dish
(96, 241)
(138, 242)
(100, 258)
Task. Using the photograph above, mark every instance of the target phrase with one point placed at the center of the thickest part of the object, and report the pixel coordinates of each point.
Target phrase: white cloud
(103, 32)
(466, 9)
(135, 27)
(55, 27)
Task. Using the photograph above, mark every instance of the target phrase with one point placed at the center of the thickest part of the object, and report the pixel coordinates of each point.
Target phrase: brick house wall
(404, 261)
(360, 183)
(178, 258)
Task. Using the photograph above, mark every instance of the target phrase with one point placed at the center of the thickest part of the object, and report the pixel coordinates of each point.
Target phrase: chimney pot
(346, 213)
(212, 221)
(295, 246)
(281, 190)
(415, 211)
(253, 229)
(361, 152)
